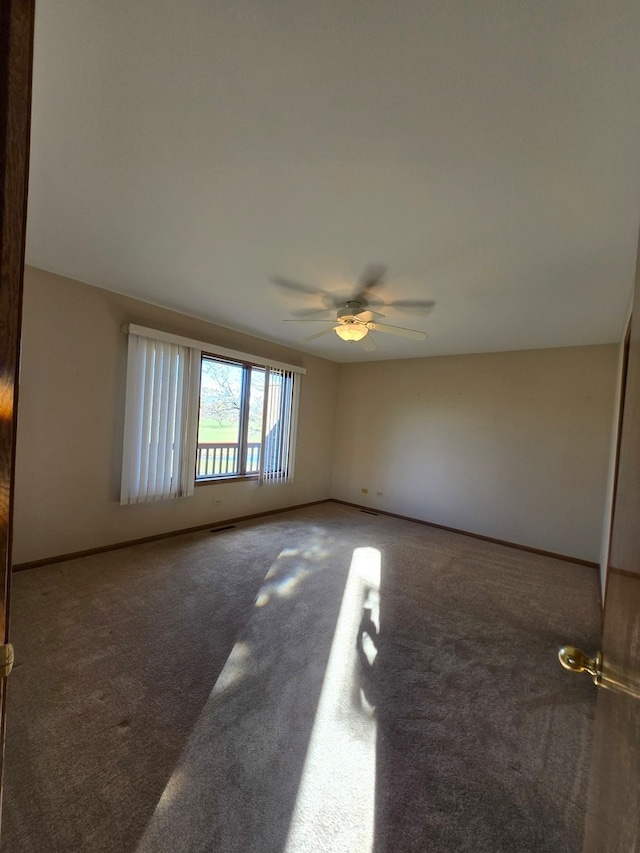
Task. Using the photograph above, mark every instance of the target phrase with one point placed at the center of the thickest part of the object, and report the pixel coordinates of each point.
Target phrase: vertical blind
(160, 420)
(279, 426)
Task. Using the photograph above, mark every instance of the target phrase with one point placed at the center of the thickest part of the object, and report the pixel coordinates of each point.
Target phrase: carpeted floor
(321, 680)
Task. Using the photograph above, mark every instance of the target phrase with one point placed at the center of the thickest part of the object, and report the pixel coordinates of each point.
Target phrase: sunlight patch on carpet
(283, 580)
(334, 811)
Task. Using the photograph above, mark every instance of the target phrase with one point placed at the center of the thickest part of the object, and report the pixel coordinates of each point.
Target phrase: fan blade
(412, 304)
(296, 286)
(309, 320)
(319, 334)
(396, 330)
(371, 278)
(367, 315)
(368, 343)
(314, 313)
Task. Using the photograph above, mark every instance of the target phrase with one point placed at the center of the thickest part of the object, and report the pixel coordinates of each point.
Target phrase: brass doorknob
(575, 660)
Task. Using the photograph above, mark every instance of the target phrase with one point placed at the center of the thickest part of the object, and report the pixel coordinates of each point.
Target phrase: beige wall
(70, 424)
(509, 445)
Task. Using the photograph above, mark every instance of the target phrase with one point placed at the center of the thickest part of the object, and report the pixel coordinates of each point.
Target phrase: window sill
(234, 478)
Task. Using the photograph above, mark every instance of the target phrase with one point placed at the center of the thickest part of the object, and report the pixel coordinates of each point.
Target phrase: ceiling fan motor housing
(349, 312)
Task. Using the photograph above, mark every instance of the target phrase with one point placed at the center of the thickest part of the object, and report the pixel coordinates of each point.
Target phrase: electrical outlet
(365, 491)
(378, 494)
(218, 501)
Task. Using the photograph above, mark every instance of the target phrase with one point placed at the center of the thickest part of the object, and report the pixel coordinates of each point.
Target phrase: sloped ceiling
(487, 153)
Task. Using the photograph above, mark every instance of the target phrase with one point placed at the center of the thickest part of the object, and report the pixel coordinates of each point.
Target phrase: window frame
(245, 396)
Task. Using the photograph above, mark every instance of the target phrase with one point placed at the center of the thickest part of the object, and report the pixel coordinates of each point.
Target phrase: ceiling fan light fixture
(351, 332)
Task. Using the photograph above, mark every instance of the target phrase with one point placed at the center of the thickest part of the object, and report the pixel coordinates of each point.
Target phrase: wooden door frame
(16, 65)
(622, 384)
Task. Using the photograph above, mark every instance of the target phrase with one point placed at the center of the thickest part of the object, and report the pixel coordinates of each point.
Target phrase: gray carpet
(242, 692)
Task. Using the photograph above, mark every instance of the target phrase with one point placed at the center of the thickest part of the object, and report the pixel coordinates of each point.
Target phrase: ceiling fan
(353, 323)
(355, 316)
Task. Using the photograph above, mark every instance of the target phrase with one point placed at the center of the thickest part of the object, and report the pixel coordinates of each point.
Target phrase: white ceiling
(486, 151)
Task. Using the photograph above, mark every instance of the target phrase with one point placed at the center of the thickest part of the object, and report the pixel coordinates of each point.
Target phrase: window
(245, 408)
(230, 420)
(205, 417)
